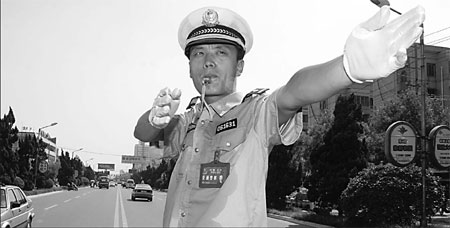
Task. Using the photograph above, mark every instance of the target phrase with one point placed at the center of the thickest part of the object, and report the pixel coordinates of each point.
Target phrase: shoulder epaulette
(193, 101)
(257, 91)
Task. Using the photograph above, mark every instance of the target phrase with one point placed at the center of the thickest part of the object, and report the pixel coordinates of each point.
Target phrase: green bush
(5, 179)
(19, 182)
(48, 183)
(84, 181)
(385, 195)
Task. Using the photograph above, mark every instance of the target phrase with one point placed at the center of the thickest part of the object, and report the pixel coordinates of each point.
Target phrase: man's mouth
(207, 79)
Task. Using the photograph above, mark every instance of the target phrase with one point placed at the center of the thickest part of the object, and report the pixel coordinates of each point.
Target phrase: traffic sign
(400, 143)
(43, 166)
(440, 146)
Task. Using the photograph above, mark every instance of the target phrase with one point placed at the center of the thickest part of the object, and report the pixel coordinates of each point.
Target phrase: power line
(437, 31)
(440, 40)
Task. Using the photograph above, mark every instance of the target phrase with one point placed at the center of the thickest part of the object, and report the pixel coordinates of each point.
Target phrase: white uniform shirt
(245, 132)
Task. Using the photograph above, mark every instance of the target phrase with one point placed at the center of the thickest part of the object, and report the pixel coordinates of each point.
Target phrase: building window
(431, 70)
(432, 92)
(364, 101)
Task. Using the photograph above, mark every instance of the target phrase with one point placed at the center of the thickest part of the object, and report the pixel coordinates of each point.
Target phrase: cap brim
(210, 41)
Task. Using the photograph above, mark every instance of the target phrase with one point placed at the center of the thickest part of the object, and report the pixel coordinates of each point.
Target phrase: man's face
(217, 64)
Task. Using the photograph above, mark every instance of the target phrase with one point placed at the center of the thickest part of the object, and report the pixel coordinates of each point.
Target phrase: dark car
(16, 208)
(143, 191)
(103, 182)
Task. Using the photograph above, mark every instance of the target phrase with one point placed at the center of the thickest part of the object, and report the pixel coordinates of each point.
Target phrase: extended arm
(373, 50)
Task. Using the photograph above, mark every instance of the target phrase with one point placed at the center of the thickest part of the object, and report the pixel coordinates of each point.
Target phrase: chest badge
(230, 124)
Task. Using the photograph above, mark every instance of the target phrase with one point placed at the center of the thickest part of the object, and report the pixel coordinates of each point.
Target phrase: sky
(94, 66)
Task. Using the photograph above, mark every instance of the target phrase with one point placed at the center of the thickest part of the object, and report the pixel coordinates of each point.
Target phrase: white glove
(164, 107)
(376, 48)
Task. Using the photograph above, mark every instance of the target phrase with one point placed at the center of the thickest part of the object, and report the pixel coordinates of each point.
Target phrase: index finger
(412, 18)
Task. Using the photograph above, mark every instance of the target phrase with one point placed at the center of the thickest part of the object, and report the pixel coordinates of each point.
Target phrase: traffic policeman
(224, 138)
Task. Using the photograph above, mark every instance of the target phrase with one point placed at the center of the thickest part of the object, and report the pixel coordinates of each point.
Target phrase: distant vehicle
(103, 182)
(16, 208)
(112, 184)
(144, 191)
(130, 183)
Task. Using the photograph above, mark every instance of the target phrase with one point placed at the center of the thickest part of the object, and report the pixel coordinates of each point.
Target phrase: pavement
(437, 221)
(301, 223)
(440, 221)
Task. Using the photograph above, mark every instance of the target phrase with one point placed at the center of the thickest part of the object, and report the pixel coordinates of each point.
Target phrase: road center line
(55, 205)
(116, 211)
(65, 201)
(124, 217)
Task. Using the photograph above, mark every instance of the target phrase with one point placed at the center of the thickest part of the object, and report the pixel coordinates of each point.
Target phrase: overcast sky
(94, 66)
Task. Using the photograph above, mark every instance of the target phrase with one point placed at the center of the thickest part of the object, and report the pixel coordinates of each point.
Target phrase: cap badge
(210, 18)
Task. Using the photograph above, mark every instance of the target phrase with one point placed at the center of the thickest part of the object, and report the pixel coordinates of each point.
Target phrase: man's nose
(209, 61)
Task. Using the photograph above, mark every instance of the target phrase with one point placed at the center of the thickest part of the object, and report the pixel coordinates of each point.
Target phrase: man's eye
(222, 52)
(197, 53)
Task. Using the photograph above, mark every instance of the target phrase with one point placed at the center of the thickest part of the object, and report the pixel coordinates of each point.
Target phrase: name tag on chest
(214, 174)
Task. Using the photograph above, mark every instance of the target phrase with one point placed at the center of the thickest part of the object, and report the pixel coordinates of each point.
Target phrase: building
(150, 154)
(372, 95)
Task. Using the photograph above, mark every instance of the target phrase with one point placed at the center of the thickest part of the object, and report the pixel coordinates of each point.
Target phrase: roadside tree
(389, 196)
(341, 156)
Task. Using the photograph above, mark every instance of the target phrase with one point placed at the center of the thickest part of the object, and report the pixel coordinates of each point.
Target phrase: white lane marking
(124, 217)
(76, 197)
(55, 205)
(116, 211)
(65, 201)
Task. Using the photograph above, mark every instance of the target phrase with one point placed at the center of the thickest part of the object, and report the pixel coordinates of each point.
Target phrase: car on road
(16, 208)
(130, 183)
(112, 184)
(144, 191)
(103, 182)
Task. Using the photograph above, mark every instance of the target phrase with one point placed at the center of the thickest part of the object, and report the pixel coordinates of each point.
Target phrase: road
(113, 207)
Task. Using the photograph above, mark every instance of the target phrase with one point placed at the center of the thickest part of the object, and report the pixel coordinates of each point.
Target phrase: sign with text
(400, 143)
(133, 159)
(106, 166)
(43, 166)
(440, 146)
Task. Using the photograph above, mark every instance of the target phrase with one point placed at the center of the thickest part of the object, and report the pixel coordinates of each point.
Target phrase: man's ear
(240, 67)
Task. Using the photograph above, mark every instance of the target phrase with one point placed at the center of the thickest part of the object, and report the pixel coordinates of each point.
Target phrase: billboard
(133, 159)
(106, 166)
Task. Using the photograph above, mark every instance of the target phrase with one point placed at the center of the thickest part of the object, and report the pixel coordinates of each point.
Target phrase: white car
(16, 208)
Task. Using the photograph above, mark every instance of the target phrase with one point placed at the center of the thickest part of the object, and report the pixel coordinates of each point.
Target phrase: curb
(299, 222)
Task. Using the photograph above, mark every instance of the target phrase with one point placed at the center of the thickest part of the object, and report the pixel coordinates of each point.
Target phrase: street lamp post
(423, 137)
(76, 151)
(37, 151)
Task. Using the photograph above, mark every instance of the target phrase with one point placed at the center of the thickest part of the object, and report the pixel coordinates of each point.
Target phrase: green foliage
(385, 195)
(84, 181)
(8, 156)
(340, 157)
(282, 178)
(157, 177)
(19, 182)
(66, 172)
(407, 107)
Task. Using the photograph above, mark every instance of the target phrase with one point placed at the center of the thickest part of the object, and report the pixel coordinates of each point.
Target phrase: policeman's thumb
(176, 95)
(378, 20)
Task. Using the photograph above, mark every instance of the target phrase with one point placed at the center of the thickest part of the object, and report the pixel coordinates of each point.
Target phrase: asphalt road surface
(113, 207)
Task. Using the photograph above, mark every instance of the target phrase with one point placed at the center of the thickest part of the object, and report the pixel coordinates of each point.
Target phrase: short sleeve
(266, 123)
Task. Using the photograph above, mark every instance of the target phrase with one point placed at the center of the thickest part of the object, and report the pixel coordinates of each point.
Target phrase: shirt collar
(222, 106)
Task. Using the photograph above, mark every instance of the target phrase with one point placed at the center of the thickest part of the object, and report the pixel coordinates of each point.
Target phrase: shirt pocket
(227, 142)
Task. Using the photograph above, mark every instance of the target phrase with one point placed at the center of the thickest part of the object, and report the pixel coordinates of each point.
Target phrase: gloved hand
(376, 48)
(164, 107)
